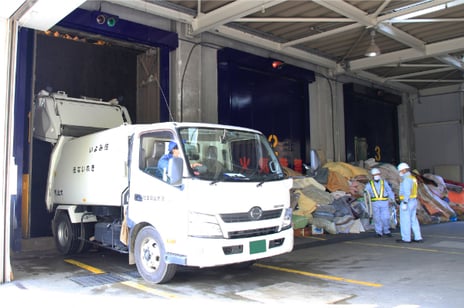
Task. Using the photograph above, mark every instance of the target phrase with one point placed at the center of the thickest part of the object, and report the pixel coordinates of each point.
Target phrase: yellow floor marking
(141, 287)
(316, 238)
(406, 247)
(447, 236)
(128, 283)
(321, 276)
(84, 266)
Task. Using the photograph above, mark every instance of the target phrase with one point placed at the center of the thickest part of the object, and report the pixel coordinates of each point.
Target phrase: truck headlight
(287, 222)
(203, 225)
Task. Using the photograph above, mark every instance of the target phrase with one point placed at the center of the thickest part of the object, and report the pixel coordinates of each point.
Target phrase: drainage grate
(133, 274)
(97, 279)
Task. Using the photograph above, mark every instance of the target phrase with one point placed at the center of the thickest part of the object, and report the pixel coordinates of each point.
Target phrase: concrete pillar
(327, 118)
(194, 82)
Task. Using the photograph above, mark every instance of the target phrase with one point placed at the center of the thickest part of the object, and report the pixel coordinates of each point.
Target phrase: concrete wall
(438, 133)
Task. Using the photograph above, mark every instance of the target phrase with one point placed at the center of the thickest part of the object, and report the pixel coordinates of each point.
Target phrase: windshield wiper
(267, 177)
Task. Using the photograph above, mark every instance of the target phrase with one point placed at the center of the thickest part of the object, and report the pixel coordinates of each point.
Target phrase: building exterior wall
(438, 133)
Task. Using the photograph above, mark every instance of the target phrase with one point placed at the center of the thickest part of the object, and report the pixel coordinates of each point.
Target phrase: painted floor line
(128, 283)
(446, 236)
(321, 276)
(84, 266)
(402, 246)
(316, 238)
(143, 288)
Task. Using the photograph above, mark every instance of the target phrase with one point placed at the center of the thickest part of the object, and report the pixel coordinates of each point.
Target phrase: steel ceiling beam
(376, 79)
(322, 35)
(430, 80)
(410, 54)
(229, 13)
(438, 70)
(293, 19)
(237, 11)
(349, 11)
(228, 32)
(254, 40)
(359, 19)
(456, 63)
(153, 9)
(401, 36)
(371, 21)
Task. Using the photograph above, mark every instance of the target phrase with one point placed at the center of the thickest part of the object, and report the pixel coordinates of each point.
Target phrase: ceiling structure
(421, 42)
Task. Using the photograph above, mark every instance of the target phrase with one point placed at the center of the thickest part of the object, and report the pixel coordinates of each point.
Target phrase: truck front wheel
(66, 234)
(150, 257)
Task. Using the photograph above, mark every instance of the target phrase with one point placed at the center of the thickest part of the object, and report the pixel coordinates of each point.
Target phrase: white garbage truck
(223, 200)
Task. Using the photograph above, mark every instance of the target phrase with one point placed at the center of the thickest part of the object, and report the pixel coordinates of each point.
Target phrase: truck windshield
(219, 154)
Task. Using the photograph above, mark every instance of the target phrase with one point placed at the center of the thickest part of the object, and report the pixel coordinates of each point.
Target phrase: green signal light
(111, 22)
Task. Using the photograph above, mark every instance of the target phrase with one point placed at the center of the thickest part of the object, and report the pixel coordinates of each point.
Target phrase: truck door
(152, 197)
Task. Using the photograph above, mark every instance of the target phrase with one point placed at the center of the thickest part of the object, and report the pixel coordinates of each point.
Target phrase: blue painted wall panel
(371, 114)
(21, 125)
(275, 101)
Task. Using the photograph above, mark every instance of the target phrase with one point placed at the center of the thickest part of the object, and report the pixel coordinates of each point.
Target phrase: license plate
(257, 246)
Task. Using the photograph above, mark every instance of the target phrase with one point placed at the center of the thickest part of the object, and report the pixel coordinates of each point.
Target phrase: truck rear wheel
(66, 234)
(150, 257)
(86, 231)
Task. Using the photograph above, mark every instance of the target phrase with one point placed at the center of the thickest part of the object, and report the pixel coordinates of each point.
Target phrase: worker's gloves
(404, 206)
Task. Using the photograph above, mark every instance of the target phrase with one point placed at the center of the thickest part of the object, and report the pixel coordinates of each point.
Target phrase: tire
(150, 256)
(87, 233)
(66, 234)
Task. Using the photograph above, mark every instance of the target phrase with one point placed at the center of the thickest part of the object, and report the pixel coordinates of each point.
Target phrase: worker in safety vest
(408, 206)
(381, 195)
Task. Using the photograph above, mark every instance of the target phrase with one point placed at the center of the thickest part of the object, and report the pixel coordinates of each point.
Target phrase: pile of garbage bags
(333, 198)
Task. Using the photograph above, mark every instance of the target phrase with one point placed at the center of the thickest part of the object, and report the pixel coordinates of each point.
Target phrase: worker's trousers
(381, 216)
(409, 221)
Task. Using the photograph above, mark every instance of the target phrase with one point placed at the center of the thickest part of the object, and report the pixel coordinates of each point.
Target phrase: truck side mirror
(315, 161)
(175, 170)
(314, 165)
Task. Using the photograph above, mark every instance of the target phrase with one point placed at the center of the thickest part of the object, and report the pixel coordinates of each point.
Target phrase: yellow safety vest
(377, 196)
(413, 194)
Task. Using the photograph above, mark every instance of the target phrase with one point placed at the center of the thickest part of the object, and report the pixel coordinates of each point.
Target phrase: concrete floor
(356, 270)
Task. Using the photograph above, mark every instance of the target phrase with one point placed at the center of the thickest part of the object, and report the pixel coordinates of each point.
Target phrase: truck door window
(153, 146)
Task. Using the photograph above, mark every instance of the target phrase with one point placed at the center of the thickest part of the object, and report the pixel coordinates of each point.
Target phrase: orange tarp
(456, 197)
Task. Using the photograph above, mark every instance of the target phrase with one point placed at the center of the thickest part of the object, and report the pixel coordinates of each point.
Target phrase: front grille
(244, 217)
(253, 232)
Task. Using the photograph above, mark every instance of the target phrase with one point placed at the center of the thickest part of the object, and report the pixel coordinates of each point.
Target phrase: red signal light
(277, 64)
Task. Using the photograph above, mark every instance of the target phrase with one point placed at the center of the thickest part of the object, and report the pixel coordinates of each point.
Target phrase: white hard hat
(402, 166)
(375, 171)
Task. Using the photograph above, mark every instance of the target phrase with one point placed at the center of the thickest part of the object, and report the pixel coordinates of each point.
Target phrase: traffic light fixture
(106, 19)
